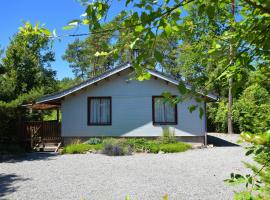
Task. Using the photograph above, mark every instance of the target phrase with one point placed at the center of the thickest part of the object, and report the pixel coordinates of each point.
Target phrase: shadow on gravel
(7, 182)
(28, 157)
(218, 142)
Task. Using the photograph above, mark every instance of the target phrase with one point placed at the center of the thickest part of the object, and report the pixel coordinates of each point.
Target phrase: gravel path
(195, 174)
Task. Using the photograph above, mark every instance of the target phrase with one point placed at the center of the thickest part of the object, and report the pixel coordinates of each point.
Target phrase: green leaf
(168, 29)
(144, 76)
(218, 46)
(249, 152)
(45, 31)
(133, 43)
(68, 27)
(182, 87)
(158, 56)
(210, 10)
(85, 21)
(139, 28)
(74, 22)
(192, 108)
(54, 33)
(211, 51)
(201, 111)
(102, 53)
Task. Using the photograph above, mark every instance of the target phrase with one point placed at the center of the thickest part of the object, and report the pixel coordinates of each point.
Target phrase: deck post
(57, 114)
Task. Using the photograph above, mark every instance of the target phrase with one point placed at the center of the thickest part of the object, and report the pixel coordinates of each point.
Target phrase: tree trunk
(230, 103)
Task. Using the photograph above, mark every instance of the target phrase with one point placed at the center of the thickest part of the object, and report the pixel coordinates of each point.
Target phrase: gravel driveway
(195, 174)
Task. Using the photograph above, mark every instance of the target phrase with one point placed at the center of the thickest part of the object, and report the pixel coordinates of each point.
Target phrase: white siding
(131, 110)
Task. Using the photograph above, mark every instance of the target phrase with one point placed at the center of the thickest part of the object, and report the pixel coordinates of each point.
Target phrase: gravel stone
(195, 174)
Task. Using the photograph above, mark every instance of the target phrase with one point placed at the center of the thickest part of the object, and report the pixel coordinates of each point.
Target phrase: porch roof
(42, 106)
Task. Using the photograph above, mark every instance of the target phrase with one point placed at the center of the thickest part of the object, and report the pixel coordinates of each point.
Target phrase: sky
(55, 14)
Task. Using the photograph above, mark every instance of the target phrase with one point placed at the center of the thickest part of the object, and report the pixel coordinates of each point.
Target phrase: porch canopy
(42, 106)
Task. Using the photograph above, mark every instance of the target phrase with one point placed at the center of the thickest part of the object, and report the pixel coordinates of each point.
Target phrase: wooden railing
(45, 130)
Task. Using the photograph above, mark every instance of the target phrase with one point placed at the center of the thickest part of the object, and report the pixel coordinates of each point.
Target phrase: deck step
(50, 147)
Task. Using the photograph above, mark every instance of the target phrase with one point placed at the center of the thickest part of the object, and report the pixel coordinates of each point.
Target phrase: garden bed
(126, 146)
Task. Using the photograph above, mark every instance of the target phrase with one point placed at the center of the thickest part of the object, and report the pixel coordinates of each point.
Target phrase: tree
(25, 77)
(27, 64)
(82, 54)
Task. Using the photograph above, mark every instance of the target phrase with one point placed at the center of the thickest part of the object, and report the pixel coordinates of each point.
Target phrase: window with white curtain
(99, 111)
(164, 112)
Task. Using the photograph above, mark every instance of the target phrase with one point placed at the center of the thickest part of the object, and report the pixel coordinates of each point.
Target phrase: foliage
(25, 76)
(252, 110)
(168, 136)
(116, 147)
(217, 115)
(66, 83)
(155, 146)
(27, 65)
(139, 144)
(82, 54)
(125, 146)
(93, 141)
(81, 148)
(244, 196)
(174, 147)
(257, 184)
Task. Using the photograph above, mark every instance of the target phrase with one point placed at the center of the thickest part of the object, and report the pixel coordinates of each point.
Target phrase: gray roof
(63, 93)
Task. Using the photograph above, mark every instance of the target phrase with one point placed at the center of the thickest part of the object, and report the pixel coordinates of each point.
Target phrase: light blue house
(115, 104)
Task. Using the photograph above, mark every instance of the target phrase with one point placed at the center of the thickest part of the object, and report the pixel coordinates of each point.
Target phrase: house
(116, 105)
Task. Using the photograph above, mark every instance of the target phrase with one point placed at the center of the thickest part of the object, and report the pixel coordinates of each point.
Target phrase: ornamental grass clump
(168, 136)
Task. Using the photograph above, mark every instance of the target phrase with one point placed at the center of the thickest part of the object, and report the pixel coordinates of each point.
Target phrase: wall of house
(131, 109)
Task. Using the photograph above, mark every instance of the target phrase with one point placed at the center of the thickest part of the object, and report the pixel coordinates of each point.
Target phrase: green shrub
(138, 144)
(153, 147)
(174, 147)
(93, 141)
(81, 148)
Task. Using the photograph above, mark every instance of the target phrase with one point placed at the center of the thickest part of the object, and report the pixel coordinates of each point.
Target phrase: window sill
(99, 124)
(164, 123)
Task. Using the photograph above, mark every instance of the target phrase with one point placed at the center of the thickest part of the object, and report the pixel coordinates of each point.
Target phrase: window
(163, 111)
(99, 110)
